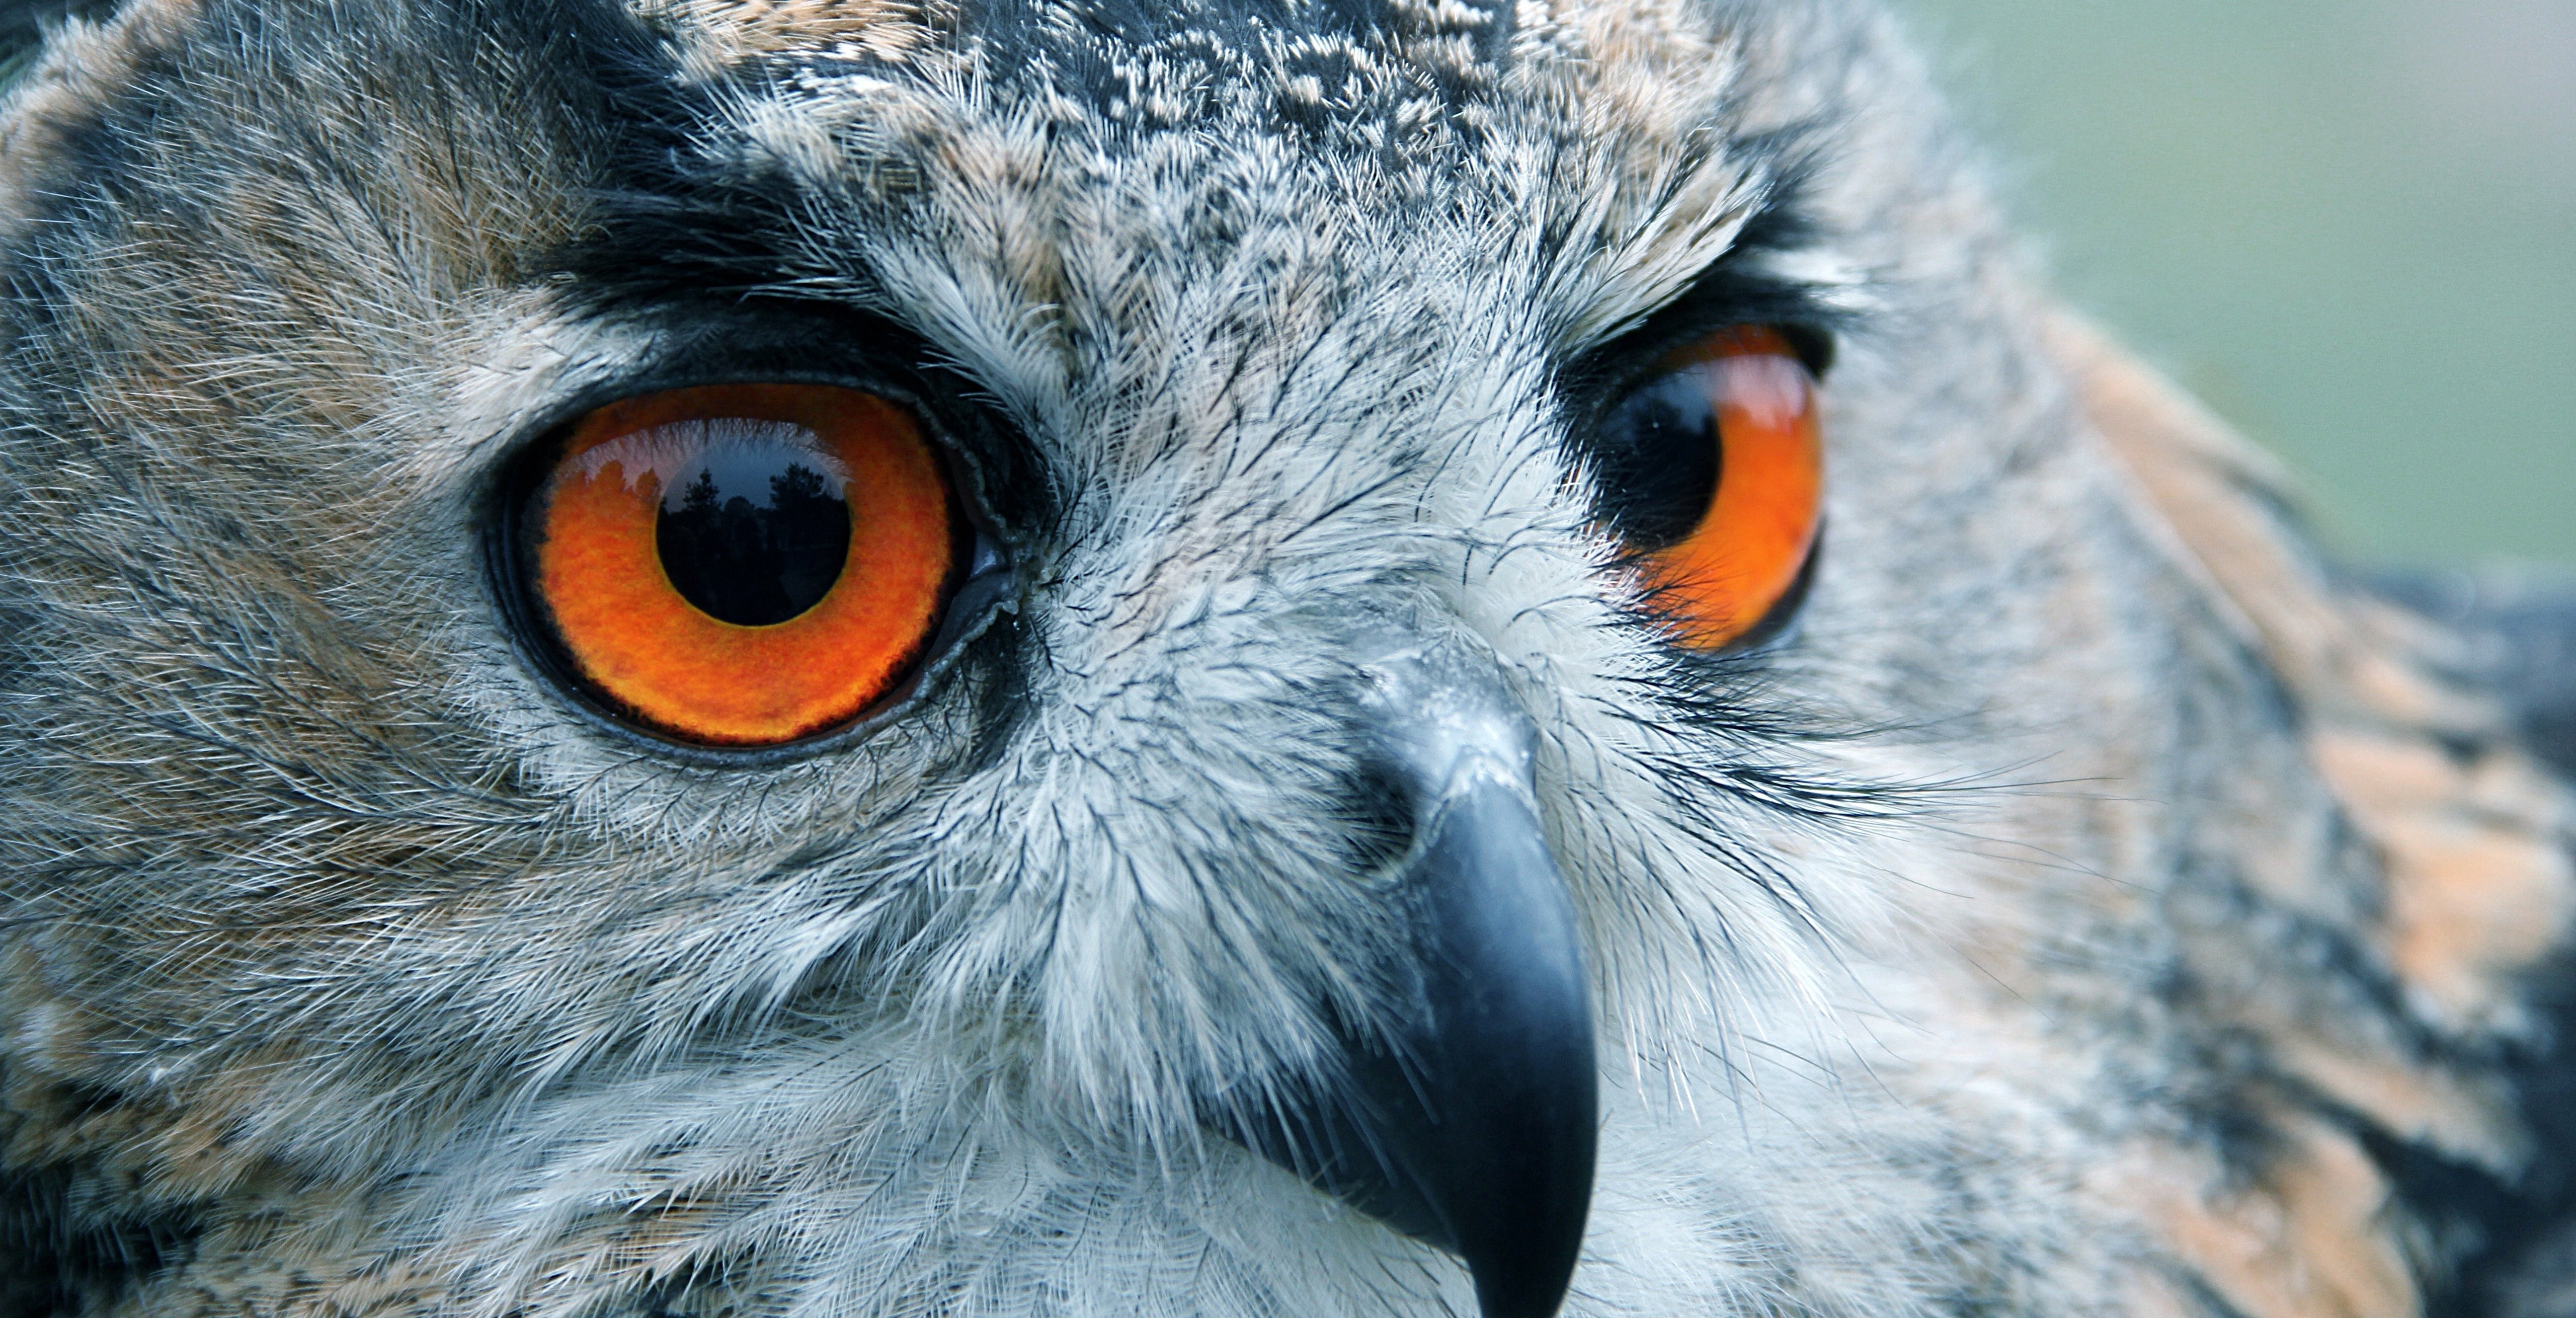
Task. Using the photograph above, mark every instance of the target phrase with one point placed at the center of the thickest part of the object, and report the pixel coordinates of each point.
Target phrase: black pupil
(1658, 454)
(758, 536)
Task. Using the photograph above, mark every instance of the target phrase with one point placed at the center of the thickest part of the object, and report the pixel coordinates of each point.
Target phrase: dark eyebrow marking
(1737, 288)
(669, 224)
(25, 23)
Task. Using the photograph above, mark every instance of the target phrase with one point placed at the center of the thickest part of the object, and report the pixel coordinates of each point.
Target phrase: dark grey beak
(1472, 1123)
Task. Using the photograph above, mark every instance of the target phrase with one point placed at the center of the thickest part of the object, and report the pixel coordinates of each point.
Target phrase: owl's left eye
(740, 565)
(1711, 470)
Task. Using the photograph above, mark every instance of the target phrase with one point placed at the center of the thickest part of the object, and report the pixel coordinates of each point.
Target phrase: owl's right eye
(741, 565)
(1711, 471)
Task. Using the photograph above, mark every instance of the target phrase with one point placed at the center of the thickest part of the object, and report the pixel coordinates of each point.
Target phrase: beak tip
(1523, 1285)
(1522, 1242)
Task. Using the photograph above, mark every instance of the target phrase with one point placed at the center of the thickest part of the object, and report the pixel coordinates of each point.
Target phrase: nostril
(1377, 814)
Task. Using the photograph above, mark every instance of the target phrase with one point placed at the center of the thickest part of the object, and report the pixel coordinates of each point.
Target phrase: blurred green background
(2350, 225)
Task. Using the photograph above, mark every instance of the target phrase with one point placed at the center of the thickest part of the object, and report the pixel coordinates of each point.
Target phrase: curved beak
(1471, 1121)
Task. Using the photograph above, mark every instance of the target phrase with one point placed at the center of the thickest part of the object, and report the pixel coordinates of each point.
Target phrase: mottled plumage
(2089, 905)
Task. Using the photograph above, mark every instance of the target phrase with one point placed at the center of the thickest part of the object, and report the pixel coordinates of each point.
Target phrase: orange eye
(1713, 472)
(743, 564)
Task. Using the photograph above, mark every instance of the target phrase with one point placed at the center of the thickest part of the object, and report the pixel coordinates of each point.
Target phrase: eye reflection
(756, 535)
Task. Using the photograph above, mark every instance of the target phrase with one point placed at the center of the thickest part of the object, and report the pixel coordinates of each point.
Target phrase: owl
(889, 658)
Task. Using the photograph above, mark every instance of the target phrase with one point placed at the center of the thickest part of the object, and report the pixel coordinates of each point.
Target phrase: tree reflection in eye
(755, 564)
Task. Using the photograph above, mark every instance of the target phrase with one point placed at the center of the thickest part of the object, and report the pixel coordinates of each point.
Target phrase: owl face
(1410, 660)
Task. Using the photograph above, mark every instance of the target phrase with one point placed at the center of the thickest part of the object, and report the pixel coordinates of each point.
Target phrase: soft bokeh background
(2350, 225)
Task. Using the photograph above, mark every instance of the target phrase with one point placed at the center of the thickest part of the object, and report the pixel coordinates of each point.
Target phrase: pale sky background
(2350, 225)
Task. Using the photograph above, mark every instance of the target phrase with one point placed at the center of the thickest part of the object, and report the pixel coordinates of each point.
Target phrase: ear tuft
(25, 23)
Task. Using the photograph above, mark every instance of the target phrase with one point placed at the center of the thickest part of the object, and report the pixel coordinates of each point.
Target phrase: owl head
(824, 657)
